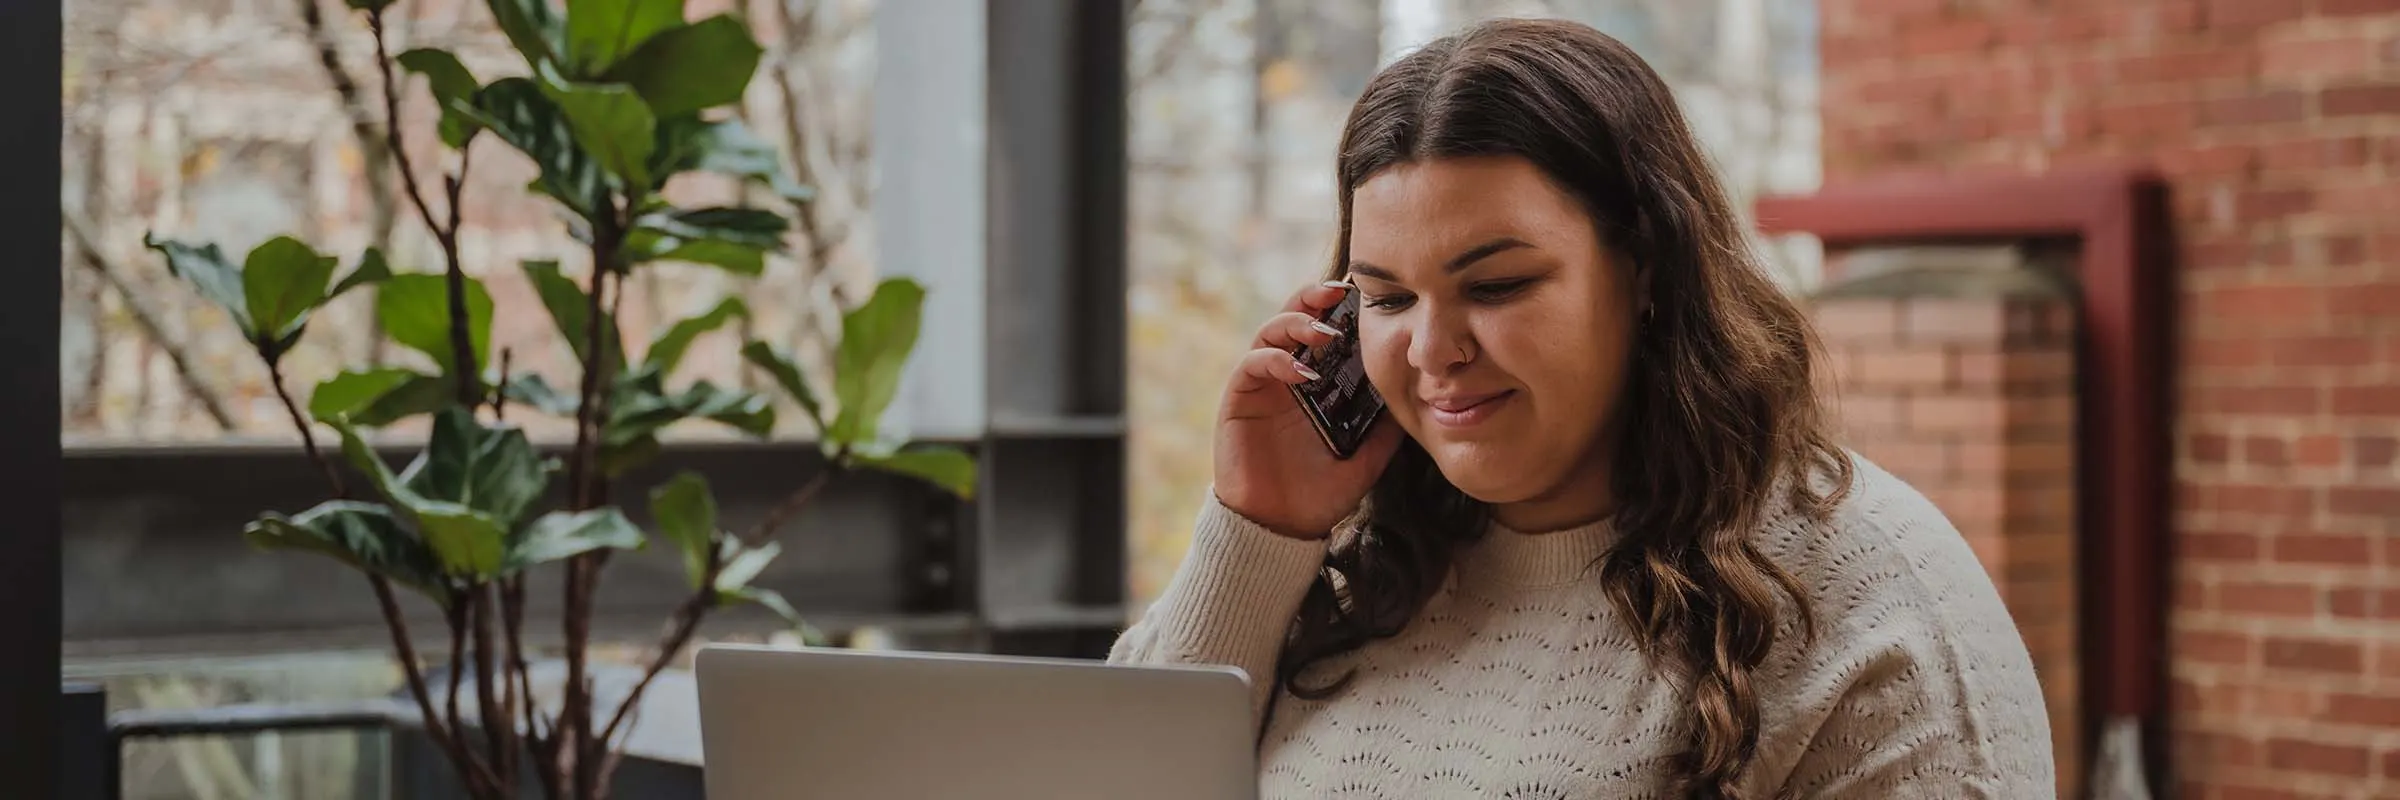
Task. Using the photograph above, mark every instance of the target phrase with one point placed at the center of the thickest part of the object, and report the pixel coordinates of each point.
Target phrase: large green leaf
(745, 411)
(378, 397)
(787, 374)
(727, 147)
(638, 414)
(493, 470)
(877, 337)
(743, 565)
(601, 31)
(517, 110)
(702, 65)
(367, 536)
(363, 457)
(570, 309)
(773, 601)
(372, 269)
(750, 227)
(666, 353)
(644, 245)
(560, 535)
(532, 27)
(467, 542)
(946, 467)
(415, 309)
(205, 266)
(618, 459)
(453, 87)
(687, 513)
(283, 280)
(610, 123)
(736, 239)
(533, 390)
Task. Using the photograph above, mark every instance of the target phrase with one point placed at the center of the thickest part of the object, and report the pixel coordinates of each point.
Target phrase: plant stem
(449, 737)
(462, 346)
(308, 435)
(500, 390)
(499, 727)
(455, 615)
(362, 128)
(583, 467)
(679, 633)
(798, 499)
(462, 343)
(512, 620)
(391, 126)
(443, 736)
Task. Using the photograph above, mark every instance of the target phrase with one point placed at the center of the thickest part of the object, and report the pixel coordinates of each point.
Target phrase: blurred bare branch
(212, 401)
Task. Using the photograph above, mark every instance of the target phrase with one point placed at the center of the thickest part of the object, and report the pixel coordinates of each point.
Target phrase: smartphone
(1341, 403)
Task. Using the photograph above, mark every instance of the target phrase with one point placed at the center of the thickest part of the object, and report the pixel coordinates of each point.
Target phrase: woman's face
(1497, 327)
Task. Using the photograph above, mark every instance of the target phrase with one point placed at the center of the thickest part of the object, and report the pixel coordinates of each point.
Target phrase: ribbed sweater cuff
(1233, 599)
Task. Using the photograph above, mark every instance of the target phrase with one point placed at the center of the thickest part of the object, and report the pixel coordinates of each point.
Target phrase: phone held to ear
(1342, 404)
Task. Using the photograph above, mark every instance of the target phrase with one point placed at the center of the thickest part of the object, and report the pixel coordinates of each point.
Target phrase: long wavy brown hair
(1719, 423)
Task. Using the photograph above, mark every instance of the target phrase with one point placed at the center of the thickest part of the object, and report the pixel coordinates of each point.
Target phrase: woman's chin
(1480, 471)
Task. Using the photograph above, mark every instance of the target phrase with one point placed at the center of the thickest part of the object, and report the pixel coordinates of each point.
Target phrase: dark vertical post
(29, 582)
(87, 753)
(1049, 548)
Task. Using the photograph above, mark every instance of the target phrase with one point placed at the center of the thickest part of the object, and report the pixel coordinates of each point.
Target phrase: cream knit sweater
(1518, 680)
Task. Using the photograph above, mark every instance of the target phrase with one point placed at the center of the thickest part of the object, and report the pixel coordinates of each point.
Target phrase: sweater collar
(1537, 559)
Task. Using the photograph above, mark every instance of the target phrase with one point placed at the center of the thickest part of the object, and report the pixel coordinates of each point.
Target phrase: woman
(1603, 544)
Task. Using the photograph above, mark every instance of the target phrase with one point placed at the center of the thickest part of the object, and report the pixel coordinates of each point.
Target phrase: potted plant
(619, 96)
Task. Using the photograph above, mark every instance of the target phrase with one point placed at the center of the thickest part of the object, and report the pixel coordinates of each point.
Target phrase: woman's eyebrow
(1463, 260)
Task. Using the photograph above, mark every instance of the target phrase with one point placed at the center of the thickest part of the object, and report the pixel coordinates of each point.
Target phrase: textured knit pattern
(1519, 680)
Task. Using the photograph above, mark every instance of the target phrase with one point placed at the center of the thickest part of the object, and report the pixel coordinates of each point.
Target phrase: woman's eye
(1498, 290)
(1386, 302)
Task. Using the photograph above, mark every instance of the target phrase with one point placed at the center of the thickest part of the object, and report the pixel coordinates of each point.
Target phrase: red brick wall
(2277, 123)
(1972, 401)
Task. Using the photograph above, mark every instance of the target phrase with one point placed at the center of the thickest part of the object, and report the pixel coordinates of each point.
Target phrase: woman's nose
(1439, 342)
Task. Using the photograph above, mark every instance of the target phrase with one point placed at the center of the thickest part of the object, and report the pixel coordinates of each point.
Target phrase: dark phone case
(1353, 414)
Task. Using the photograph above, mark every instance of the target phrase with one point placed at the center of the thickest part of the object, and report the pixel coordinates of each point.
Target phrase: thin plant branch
(391, 127)
(462, 347)
(308, 436)
(443, 735)
(449, 737)
(798, 499)
(496, 724)
(455, 613)
(680, 630)
(363, 128)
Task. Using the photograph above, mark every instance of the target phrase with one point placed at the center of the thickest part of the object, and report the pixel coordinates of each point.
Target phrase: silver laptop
(832, 723)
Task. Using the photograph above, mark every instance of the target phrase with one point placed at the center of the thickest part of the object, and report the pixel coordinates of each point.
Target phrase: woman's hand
(1271, 465)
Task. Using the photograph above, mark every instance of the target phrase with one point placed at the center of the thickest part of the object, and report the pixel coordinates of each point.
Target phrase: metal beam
(30, 695)
(1051, 538)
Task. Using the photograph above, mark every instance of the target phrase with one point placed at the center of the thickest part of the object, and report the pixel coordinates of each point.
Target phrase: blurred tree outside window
(221, 121)
(1236, 110)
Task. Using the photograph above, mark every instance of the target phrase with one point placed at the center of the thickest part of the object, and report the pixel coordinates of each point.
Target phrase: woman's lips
(1463, 410)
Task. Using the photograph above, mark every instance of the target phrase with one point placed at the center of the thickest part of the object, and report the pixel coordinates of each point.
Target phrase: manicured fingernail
(1337, 284)
(1305, 372)
(1326, 329)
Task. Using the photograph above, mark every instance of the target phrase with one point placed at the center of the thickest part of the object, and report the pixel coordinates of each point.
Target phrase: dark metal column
(29, 563)
(1049, 553)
